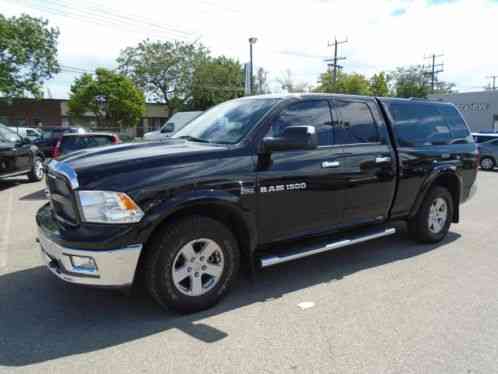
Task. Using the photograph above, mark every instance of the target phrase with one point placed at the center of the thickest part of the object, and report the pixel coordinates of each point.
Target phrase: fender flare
(198, 198)
(438, 173)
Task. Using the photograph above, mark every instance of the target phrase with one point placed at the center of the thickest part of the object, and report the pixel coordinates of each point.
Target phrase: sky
(292, 35)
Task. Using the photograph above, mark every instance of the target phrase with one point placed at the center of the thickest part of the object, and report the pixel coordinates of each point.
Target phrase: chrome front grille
(62, 197)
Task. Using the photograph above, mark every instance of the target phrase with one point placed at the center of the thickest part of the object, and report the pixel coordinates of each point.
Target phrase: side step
(271, 260)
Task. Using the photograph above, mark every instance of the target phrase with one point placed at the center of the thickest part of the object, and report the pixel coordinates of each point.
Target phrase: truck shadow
(35, 196)
(5, 184)
(42, 319)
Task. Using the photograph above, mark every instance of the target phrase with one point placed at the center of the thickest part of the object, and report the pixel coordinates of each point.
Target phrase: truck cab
(255, 182)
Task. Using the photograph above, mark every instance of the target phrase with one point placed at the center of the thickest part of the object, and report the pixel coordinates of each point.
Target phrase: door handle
(330, 164)
(380, 160)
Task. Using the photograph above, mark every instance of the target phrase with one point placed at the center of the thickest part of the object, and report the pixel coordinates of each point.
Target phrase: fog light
(83, 264)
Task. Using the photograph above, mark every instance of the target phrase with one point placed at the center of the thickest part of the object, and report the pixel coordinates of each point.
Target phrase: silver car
(488, 149)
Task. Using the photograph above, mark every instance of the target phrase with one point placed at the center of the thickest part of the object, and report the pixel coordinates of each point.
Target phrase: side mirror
(27, 140)
(293, 138)
(169, 127)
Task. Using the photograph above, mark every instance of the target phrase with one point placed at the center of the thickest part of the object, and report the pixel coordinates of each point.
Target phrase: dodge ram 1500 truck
(255, 181)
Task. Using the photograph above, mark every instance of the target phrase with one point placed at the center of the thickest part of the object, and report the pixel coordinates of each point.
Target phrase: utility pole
(332, 63)
(252, 41)
(493, 77)
(433, 69)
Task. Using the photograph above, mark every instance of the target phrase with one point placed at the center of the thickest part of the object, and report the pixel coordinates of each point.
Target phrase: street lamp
(252, 41)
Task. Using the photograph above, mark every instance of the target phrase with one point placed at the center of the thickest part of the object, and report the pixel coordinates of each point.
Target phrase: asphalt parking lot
(389, 306)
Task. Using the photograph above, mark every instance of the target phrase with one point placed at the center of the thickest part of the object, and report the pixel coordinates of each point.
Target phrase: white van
(174, 124)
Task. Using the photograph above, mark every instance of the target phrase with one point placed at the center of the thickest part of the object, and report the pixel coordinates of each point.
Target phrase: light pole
(252, 41)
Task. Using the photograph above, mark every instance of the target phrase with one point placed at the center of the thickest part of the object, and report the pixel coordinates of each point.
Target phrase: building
(480, 109)
(55, 112)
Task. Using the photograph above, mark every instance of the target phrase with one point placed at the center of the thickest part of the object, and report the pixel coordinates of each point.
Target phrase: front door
(369, 161)
(301, 192)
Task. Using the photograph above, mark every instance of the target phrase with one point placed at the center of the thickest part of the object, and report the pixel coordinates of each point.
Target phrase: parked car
(18, 156)
(488, 149)
(488, 131)
(51, 135)
(173, 125)
(27, 132)
(74, 142)
(256, 181)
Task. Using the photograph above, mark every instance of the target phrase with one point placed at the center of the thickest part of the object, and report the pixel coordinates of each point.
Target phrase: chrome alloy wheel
(198, 267)
(38, 169)
(438, 215)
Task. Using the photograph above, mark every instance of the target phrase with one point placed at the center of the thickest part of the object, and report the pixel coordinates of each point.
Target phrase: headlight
(109, 207)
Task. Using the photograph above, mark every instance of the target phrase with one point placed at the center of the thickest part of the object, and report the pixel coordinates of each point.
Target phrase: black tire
(487, 163)
(35, 175)
(161, 254)
(419, 227)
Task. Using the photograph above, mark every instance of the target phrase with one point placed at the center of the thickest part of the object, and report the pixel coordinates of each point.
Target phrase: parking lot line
(4, 238)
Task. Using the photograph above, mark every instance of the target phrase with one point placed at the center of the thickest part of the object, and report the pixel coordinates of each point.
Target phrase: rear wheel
(36, 173)
(487, 163)
(192, 265)
(433, 219)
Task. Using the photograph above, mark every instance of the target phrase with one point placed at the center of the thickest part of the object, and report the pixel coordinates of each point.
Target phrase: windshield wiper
(193, 139)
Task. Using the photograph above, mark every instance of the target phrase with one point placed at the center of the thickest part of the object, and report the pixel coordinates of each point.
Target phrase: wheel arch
(221, 208)
(447, 178)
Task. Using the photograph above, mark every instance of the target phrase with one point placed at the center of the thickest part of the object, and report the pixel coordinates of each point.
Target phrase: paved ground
(388, 306)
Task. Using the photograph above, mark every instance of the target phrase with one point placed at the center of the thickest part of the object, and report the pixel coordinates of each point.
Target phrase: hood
(152, 133)
(5, 146)
(97, 163)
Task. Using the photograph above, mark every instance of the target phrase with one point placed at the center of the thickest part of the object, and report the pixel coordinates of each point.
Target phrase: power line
(103, 17)
(493, 78)
(332, 63)
(433, 69)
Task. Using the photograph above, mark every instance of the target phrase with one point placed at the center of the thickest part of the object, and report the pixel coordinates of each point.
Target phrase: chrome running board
(271, 260)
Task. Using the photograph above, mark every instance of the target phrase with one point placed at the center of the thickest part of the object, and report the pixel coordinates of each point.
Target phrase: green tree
(111, 97)
(289, 84)
(353, 83)
(28, 55)
(163, 70)
(379, 84)
(410, 82)
(216, 80)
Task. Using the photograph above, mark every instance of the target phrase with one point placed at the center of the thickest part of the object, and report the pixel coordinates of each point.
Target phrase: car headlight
(109, 207)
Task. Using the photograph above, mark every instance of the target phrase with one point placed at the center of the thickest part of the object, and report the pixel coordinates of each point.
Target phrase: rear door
(301, 192)
(369, 161)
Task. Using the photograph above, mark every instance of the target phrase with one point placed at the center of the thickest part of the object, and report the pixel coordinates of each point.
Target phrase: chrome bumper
(115, 268)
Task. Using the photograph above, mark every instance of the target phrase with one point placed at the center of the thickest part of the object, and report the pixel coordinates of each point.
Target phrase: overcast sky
(292, 34)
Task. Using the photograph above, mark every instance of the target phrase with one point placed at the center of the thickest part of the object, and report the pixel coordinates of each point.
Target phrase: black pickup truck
(255, 181)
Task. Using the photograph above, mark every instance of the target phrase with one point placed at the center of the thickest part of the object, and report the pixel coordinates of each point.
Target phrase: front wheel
(433, 219)
(192, 265)
(36, 173)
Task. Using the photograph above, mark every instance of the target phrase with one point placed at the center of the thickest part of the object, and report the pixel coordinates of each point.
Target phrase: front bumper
(113, 268)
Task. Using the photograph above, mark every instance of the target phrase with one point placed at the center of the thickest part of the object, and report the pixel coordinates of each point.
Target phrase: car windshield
(7, 135)
(226, 123)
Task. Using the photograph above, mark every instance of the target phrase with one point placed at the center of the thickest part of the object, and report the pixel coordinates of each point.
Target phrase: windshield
(7, 135)
(226, 123)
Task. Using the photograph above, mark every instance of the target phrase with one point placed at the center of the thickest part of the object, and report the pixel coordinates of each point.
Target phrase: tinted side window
(419, 124)
(482, 138)
(103, 140)
(455, 121)
(73, 143)
(357, 124)
(314, 113)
